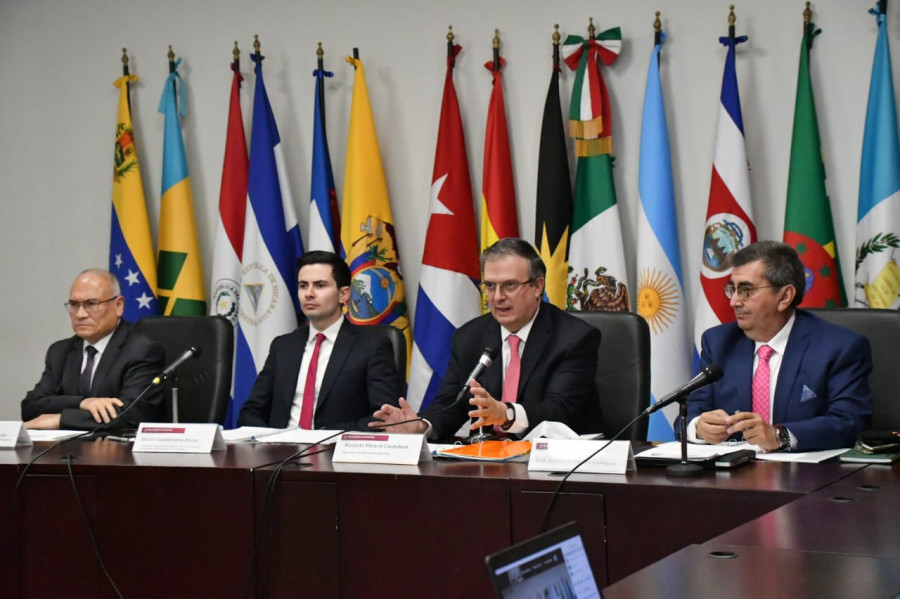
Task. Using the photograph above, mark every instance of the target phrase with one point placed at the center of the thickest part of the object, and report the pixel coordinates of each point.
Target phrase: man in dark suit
(331, 374)
(791, 381)
(549, 358)
(90, 378)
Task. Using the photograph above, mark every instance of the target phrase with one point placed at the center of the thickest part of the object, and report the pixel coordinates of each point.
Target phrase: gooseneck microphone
(184, 357)
(487, 358)
(709, 375)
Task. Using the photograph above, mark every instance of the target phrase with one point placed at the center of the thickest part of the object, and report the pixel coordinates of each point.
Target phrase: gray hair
(513, 246)
(783, 265)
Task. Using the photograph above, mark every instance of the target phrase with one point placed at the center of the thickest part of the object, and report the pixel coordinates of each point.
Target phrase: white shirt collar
(521, 333)
(780, 340)
(330, 333)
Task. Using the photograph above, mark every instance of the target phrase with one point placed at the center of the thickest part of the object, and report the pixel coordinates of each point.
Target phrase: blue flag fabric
(324, 217)
(660, 296)
(269, 305)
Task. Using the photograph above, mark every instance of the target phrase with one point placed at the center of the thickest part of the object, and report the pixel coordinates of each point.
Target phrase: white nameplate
(561, 455)
(13, 434)
(381, 448)
(167, 437)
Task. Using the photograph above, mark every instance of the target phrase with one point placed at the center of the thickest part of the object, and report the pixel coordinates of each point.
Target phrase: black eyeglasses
(743, 291)
(90, 306)
(508, 288)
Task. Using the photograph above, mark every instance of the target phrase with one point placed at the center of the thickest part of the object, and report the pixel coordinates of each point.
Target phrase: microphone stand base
(684, 470)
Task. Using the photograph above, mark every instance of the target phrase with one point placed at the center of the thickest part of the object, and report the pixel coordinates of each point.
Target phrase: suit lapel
(538, 341)
(339, 353)
(790, 367)
(72, 368)
(492, 380)
(109, 356)
(744, 366)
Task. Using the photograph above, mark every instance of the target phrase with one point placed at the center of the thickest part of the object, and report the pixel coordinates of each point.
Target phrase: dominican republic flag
(269, 303)
(660, 290)
(878, 218)
(130, 246)
(324, 218)
(448, 286)
(729, 215)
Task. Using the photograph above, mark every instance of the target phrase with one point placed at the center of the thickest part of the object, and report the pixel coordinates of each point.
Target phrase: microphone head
(491, 352)
(195, 351)
(713, 373)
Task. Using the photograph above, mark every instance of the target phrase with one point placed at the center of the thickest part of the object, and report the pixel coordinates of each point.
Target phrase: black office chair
(398, 344)
(882, 328)
(204, 382)
(623, 371)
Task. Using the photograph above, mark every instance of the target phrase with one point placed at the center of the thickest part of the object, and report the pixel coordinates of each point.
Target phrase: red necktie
(511, 382)
(761, 383)
(309, 391)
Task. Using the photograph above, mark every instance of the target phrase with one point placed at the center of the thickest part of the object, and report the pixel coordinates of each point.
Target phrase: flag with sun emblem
(808, 226)
(660, 291)
(368, 239)
(729, 214)
(130, 246)
(878, 218)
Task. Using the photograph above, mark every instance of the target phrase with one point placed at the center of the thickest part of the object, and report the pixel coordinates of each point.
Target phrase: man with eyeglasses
(90, 378)
(791, 381)
(546, 360)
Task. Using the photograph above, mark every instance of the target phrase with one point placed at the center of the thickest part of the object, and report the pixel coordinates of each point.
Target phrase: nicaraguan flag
(269, 303)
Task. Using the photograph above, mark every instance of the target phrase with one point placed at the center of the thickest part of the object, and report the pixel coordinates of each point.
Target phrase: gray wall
(58, 60)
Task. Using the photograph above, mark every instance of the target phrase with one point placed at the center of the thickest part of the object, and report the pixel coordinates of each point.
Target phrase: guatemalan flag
(660, 294)
(324, 218)
(130, 246)
(448, 286)
(878, 220)
(269, 303)
(729, 215)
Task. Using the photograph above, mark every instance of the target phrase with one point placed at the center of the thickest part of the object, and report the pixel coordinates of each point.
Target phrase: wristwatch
(783, 436)
(510, 416)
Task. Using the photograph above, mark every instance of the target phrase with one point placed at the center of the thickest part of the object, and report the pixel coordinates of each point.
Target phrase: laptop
(554, 564)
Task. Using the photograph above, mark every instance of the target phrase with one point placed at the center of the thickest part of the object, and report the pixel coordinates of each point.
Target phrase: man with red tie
(546, 361)
(791, 381)
(329, 374)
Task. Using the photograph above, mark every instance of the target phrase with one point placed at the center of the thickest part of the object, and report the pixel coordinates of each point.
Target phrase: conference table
(223, 525)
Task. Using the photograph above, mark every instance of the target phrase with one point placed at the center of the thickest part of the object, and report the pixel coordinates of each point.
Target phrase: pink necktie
(309, 391)
(511, 382)
(761, 383)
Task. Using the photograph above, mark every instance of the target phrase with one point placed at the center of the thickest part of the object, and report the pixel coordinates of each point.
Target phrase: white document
(248, 434)
(13, 434)
(696, 451)
(803, 457)
(561, 455)
(299, 435)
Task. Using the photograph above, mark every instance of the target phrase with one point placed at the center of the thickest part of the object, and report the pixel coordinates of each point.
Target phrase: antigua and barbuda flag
(729, 215)
(878, 216)
(368, 239)
(131, 255)
(597, 276)
(179, 269)
(324, 218)
(269, 305)
(553, 209)
(660, 291)
(808, 226)
(448, 286)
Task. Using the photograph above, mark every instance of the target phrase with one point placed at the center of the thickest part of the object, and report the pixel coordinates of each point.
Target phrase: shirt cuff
(692, 431)
(521, 424)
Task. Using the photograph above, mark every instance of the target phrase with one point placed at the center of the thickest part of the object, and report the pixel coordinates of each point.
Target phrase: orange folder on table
(491, 451)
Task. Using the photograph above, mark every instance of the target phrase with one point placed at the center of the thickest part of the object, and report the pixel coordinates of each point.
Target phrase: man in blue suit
(791, 381)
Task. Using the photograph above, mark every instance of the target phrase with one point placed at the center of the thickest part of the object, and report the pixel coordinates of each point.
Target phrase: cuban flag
(660, 294)
(729, 215)
(272, 245)
(878, 217)
(448, 286)
(324, 218)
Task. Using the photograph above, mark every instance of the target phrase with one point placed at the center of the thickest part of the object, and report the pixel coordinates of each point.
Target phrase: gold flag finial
(171, 54)
(657, 24)
(236, 51)
(807, 14)
(591, 29)
(731, 17)
(256, 44)
(556, 36)
(125, 56)
(320, 53)
(450, 36)
(496, 44)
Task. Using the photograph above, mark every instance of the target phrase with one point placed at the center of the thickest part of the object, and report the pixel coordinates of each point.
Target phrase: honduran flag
(729, 215)
(269, 303)
(324, 218)
(448, 286)
(130, 246)
(660, 292)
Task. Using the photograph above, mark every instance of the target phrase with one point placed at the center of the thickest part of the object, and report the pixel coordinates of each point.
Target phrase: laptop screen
(554, 564)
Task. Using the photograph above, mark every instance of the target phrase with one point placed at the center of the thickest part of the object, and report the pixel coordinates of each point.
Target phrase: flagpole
(320, 61)
(556, 38)
(731, 20)
(355, 56)
(591, 29)
(657, 31)
(256, 46)
(882, 7)
(126, 73)
(236, 53)
(451, 59)
(496, 46)
(171, 56)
